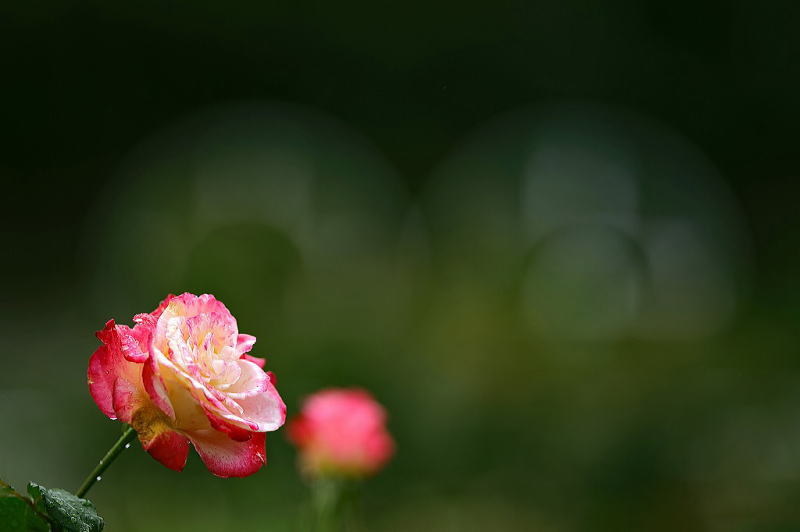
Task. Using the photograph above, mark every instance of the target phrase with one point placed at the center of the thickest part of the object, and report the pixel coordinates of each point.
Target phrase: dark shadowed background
(557, 240)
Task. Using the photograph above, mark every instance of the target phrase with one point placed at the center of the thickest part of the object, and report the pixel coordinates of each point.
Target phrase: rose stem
(112, 453)
(327, 500)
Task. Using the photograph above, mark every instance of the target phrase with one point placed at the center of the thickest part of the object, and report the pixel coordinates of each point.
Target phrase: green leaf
(66, 510)
(34, 490)
(17, 513)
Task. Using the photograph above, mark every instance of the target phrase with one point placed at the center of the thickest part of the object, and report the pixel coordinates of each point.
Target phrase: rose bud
(182, 374)
(341, 432)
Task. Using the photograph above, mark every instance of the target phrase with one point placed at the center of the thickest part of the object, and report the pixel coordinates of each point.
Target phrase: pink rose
(341, 432)
(182, 374)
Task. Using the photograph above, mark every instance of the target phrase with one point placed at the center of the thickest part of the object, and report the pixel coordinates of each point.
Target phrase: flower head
(182, 374)
(341, 432)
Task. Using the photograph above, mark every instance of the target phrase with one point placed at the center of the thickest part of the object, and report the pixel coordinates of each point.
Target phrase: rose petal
(134, 342)
(226, 373)
(170, 448)
(252, 381)
(212, 329)
(179, 350)
(215, 399)
(128, 398)
(225, 457)
(161, 306)
(154, 385)
(101, 377)
(266, 409)
(131, 343)
(263, 412)
(188, 305)
(244, 343)
(108, 334)
(234, 432)
(300, 430)
(260, 362)
(109, 370)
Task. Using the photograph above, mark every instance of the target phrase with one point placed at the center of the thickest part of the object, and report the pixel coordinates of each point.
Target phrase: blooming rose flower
(182, 374)
(341, 432)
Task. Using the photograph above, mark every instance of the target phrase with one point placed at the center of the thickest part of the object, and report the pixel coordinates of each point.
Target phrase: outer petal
(225, 457)
(110, 371)
(234, 432)
(161, 306)
(169, 448)
(108, 335)
(127, 399)
(101, 377)
(188, 305)
(300, 430)
(260, 362)
(244, 343)
(143, 333)
(267, 409)
(379, 447)
(133, 342)
(154, 385)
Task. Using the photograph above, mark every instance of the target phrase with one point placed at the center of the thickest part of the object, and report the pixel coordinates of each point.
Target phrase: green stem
(326, 498)
(112, 454)
(336, 504)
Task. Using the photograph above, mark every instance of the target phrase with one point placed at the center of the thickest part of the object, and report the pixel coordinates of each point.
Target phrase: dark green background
(495, 430)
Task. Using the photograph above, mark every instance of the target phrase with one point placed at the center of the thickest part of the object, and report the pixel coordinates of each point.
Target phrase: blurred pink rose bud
(341, 432)
(182, 374)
